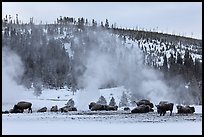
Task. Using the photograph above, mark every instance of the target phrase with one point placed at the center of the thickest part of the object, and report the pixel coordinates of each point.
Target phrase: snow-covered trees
(41, 48)
(102, 100)
(37, 89)
(112, 102)
(70, 103)
(124, 100)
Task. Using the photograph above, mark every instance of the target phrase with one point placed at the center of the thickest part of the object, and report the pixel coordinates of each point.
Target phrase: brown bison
(96, 106)
(54, 108)
(44, 109)
(163, 107)
(109, 107)
(142, 109)
(126, 108)
(20, 106)
(185, 109)
(67, 108)
(5, 112)
(15, 110)
(144, 102)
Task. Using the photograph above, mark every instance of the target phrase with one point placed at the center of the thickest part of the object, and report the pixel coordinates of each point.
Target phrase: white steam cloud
(112, 59)
(12, 70)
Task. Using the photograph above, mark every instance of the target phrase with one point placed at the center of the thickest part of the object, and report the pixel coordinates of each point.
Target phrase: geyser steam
(112, 59)
(12, 70)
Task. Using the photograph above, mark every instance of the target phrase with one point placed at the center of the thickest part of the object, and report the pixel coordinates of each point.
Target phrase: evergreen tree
(102, 24)
(102, 100)
(112, 102)
(70, 103)
(179, 58)
(165, 64)
(123, 101)
(107, 24)
(37, 89)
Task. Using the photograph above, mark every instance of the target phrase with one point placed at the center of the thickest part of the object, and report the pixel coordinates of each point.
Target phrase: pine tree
(179, 58)
(102, 24)
(37, 89)
(165, 64)
(112, 102)
(107, 24)
(123, 101)
(70, 103)
(102, 100)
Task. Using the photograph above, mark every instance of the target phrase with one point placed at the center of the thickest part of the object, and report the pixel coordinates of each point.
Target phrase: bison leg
(160, 113)
(30, 110)
(170, 112)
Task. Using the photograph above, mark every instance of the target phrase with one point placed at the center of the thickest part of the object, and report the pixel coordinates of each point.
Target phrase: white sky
(178, 17)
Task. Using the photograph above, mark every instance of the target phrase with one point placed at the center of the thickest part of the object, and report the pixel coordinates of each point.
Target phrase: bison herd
(142, 106)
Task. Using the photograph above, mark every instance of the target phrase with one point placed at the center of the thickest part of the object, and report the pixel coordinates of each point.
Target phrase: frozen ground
(111, 122)
(88, 122)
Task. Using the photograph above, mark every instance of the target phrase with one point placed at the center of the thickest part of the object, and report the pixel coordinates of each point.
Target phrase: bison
(20, 106)
(185, 109)
(67, 108)
(142, 109)
(109, 107)
(44, 109)
(15, 110)
(96, 106)
(54, 108)
(126, 108)
(144, 102)
(163, 107)
(5, 112)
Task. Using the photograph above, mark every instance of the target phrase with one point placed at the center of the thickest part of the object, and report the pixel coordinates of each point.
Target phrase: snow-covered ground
(95, 122)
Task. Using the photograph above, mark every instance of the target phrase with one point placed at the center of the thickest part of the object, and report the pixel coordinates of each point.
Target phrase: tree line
(47, 62)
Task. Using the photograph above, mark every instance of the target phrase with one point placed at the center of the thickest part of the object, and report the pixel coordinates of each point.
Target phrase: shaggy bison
(185, 109)
(15, 110)
(5, 112)
(163, 107)
(54, 108)
(142, 109)
(109, 107)
(20, 106)
(126, 108)
(67, 108)
(96, 106)
(44, 109)
(144, 102)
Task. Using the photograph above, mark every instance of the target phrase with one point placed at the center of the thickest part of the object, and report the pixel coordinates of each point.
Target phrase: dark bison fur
(108, 107)
(96, 106)
(126, 108)
(67, 108)
(20, 106)
(144, 102)
(185, 109)
(44, 109)
(163, 107)
(142, 109)
(5, 112)
(15, 110)
(54, 108)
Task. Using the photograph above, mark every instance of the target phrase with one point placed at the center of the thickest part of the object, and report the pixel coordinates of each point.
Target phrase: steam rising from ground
(12, 70)
(112, 59)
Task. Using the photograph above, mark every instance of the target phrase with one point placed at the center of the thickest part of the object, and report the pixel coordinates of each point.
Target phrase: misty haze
(75, 61)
